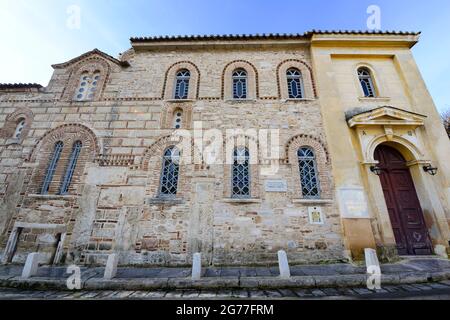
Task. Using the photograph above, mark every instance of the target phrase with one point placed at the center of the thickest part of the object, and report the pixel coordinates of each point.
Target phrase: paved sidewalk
(435, 291)
(409, 271)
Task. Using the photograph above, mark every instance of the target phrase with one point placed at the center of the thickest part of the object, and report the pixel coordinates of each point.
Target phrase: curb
(301, 282)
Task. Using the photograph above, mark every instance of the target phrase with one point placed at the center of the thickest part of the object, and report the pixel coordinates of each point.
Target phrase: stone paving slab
(440, 291)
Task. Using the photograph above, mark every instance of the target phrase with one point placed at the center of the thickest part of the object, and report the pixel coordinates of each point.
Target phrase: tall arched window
(182, 84)
(308, 173)
(295, 83)
(177, 119)
(76, 149)
(52, 167)
(87, 86)
(170, 170)
(239, 84)
(367, 84)
(19, 128)
(241, 173)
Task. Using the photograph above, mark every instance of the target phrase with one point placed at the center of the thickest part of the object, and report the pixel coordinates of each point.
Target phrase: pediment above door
(384, 116)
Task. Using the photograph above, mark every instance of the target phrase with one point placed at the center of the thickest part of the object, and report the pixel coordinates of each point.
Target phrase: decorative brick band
(115, 160)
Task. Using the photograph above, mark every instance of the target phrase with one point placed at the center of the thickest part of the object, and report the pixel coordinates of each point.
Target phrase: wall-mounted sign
(315, 215)
(276, 186)
(353, 203)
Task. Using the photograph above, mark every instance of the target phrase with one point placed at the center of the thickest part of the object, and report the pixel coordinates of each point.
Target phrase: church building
(321, 144)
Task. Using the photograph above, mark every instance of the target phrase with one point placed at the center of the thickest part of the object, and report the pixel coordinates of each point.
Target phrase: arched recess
(12, 121)
(242, 140)
(68, 134)
(88, 66)
(307, 77)
(322, 162)
(151, 162)
(170, 77)
(252, 79)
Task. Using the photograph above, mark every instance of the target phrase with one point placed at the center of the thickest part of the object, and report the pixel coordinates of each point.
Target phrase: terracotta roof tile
(265, 35)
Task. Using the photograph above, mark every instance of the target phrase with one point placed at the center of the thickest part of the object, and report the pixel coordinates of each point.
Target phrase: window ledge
(240, 100)
(179, 100)
(12, 141)
(366, 99)
(237, 200)
(312, 201)
(170, 201)
(52, 196)
(299, 100)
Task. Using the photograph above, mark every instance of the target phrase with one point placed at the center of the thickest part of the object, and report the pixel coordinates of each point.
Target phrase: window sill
(12, 141)
(240, 100)
(237, 200)
(299, 100)
(312, 201)
(52, 196)
(170, 201)
(375, 99)
(179, 100)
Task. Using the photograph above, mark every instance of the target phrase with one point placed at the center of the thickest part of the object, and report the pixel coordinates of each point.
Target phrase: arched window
(170, 170)
(19, 128)
(241, 173)
(365, 78)
(76, 149)
(182, 84)
(308, 173)
(177, 119)
(52, 167)
(87, 86)
(239, 84)
(295, 83)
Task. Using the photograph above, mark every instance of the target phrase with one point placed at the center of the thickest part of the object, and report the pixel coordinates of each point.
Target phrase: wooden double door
(404, 208)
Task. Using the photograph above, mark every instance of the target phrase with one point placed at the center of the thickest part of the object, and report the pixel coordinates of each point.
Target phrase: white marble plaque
(353, 203)
(276, 186)
(315, 215)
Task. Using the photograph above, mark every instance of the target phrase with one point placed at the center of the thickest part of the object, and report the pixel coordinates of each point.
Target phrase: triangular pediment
(385, 116)
(89, 55)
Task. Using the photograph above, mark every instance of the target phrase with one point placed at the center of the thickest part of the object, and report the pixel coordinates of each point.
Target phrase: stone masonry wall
(113, 204)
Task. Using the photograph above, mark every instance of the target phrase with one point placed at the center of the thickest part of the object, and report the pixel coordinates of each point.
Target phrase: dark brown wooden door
(404, 208)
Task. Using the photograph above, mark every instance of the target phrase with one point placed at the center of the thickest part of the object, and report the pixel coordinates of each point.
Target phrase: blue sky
(35, 34)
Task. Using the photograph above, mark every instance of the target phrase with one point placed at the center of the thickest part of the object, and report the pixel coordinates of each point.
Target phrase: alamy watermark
(73, 21)
(374, 19)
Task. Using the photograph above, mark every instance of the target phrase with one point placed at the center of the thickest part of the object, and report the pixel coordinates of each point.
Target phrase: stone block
(283, 265)
(31, 265)
(197, 266)
(111, 266)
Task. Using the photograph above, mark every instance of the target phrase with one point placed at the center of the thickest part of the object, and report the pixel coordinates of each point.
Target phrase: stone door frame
(13, 239)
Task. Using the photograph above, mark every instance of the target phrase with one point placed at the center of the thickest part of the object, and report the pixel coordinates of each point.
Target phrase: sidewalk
(408, 271)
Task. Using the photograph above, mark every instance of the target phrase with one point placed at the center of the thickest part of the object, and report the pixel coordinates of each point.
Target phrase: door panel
(403, 205)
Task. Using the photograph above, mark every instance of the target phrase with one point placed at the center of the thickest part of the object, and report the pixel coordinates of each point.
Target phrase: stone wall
(113, 204)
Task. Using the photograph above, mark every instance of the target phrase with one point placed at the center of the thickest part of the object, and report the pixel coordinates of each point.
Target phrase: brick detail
(252, 79)
(13, 119)
(170, 77)
(307, 75)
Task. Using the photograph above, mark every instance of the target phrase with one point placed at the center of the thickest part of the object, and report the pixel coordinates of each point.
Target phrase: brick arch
(322, 162)
(12, 121)
(158, 147)
(84, 133)
(87, 65)
(306, 140)
(253, 78)
(307, 73)
(170, 74)
(68, 134)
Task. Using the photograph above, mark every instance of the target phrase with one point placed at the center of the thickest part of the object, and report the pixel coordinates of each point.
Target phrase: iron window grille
(182, 84)
(239, 84)
(170, 171)
(76, 149)
(309, 181)
(365, 78)
(52, 167)
(295, 84)
(19, 128)
(241, 173)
